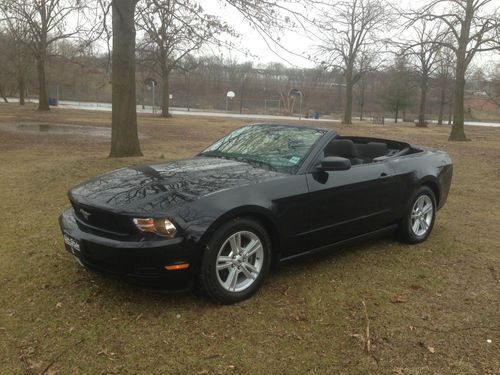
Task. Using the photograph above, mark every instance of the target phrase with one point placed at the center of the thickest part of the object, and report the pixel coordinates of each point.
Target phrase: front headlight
(162, 227)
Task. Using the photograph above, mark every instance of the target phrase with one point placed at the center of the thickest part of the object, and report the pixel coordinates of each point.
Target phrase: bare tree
(3, 62)
(492, 85)
(423, 52)
(172, 30)
(47, 22)
(396, 93)
(367, 63)
(472, 27)
(3, 79)
(17, 54)
(444, 79)
(347, 28)
(187, 66)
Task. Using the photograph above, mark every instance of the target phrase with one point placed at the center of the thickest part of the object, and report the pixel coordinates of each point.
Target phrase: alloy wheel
(421, 215)
(239, 261)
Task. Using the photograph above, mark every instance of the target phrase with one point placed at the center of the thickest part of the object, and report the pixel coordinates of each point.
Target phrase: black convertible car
(260, 195)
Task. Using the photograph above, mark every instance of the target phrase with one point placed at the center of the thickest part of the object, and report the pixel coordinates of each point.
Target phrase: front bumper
(141, 260)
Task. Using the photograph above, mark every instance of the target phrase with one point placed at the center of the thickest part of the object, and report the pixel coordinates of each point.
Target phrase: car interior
(361, 150)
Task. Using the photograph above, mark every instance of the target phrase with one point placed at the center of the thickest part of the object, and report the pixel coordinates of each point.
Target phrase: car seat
(343, 148)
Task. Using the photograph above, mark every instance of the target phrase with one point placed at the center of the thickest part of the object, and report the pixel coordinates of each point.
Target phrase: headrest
(341, 147)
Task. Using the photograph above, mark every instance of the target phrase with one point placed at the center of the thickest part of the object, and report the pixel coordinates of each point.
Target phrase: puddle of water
(93, 131)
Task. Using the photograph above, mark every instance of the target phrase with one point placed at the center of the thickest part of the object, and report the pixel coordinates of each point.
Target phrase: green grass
(308, 317)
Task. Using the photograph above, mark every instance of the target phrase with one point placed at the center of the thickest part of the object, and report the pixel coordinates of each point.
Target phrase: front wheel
(236, 261)
(417, 224)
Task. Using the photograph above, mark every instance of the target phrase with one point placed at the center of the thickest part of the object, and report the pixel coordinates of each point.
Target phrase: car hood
(158, 187)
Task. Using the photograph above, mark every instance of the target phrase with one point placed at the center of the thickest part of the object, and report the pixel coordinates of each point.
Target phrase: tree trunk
(457, 129)
(423, 98)
(348, 97)
(143, 97)
(2, 94)
(362, 100)
(396, 114)
(124, 135)
(442, 101)
(189, 92)
(22, 91)
(43, 102)
(165, 101)
(450, 111)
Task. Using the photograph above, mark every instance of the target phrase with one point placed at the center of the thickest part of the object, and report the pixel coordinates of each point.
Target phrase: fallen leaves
(429, 348)
(298, 318)
(396, 298)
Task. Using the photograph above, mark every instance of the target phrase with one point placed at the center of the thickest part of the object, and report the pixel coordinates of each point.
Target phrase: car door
(345, 204)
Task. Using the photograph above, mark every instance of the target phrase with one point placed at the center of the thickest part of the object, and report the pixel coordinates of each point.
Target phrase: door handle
(384, 176)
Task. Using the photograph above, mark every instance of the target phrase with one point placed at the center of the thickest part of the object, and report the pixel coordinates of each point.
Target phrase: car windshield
(281, 148)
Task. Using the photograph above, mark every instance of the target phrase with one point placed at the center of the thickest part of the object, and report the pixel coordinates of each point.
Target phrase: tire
(419, 218)
(236, 261)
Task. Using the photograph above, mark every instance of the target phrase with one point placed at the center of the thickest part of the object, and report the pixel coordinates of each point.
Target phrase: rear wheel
(417, 224)
(236, 261)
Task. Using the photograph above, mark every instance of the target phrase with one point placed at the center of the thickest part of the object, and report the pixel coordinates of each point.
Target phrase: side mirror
(334, 163)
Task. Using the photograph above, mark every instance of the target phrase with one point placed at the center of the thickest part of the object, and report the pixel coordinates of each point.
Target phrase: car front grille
(103, 220)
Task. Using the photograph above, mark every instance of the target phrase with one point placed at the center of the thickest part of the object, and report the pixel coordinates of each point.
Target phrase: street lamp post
(297, 93)
(151, 83)
(229, 96)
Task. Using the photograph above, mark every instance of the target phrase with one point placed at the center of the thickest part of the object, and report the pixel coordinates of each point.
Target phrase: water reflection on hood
(149, 188)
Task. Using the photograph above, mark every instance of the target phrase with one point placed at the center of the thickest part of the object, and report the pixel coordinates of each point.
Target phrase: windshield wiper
(216, 154)
(256, 161)
(238, 157)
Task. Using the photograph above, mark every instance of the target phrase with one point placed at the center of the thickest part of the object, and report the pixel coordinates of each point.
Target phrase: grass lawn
(431, 307)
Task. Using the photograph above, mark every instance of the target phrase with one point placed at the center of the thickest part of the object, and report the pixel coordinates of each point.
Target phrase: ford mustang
(261, 195)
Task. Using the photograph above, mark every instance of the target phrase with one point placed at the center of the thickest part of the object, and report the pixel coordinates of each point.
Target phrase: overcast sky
(264, 50)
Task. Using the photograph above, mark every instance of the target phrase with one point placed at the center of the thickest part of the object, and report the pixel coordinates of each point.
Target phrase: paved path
(185, 112)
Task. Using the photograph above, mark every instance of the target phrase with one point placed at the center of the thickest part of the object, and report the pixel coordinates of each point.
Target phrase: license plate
(72, 244)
